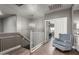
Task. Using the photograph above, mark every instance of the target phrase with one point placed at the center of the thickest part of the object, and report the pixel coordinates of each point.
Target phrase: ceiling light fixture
(19, 4)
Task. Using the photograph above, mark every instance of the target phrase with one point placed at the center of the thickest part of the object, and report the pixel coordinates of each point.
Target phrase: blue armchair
(64, 42)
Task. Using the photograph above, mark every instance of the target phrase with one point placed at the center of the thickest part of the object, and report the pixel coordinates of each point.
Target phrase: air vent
(55, 6)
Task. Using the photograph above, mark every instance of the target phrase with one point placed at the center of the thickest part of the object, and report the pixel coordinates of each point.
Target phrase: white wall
(76, 17)
(9, 24)
(23, 26)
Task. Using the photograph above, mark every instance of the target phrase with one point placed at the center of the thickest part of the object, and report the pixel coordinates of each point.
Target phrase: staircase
(11, 41)
(25, 41)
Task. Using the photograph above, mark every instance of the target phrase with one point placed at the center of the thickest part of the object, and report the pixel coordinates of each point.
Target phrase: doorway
(49, 30)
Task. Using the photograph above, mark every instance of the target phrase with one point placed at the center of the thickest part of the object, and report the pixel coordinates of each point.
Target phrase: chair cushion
(64, 36)
(65, 44)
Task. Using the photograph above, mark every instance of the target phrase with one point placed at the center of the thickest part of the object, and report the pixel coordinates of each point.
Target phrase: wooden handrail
(23, 37)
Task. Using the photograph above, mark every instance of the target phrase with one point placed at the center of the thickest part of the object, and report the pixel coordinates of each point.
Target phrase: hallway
(22, 24)
(39, 29)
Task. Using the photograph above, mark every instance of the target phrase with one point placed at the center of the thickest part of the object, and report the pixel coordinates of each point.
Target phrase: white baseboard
(10, 49)
(36, 47)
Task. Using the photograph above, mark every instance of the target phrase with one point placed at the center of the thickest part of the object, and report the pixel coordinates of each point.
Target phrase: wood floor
(46, 49)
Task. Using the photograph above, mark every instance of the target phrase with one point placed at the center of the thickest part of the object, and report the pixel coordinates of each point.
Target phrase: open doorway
(49, 30)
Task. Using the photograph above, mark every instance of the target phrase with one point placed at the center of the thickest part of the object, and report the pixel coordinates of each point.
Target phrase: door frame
(45, 29)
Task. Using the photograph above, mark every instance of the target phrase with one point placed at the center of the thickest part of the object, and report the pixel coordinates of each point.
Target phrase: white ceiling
(33, 10)
(27, 10)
